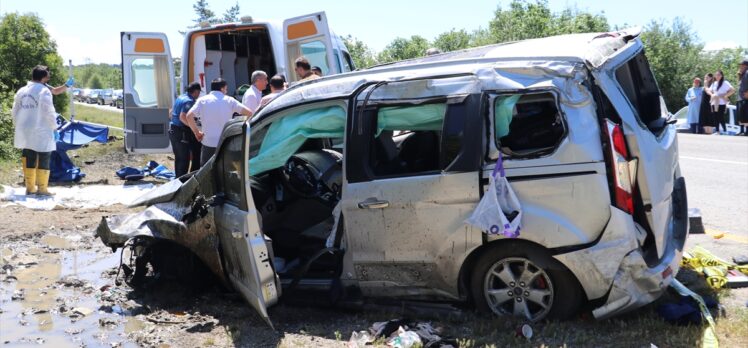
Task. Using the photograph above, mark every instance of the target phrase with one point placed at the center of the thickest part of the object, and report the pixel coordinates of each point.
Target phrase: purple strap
(499, 166)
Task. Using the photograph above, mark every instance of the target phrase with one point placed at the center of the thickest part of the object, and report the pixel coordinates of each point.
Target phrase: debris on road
(716, 270)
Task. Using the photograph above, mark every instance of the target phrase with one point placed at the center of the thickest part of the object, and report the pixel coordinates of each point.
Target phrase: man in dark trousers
(183, 142)
(743, 97)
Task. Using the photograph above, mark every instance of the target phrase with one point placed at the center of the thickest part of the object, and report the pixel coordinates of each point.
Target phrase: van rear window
(639, 84)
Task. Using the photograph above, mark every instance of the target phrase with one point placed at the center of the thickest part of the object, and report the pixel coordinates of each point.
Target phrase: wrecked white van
(364, 181)
(231, 51)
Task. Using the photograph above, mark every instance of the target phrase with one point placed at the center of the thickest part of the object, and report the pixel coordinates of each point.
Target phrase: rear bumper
(615, 268)
(636, 283)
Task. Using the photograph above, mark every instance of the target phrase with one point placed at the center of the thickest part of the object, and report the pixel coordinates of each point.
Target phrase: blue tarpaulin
(73, 135)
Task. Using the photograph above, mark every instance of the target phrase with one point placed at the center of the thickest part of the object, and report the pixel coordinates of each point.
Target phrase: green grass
(95, 115)
(8, 173)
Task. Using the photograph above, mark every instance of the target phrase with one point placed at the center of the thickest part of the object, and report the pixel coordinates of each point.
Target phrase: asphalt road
(716, 172)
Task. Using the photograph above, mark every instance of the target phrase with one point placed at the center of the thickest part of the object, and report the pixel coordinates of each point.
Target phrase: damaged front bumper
(177, 213)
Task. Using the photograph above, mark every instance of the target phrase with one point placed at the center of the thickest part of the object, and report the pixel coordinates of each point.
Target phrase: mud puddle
(58, 291)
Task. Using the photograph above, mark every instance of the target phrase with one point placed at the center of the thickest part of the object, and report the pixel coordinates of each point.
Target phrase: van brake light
(623, 190)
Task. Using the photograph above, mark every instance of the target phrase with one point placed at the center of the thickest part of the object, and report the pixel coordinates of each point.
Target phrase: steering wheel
(313, 174)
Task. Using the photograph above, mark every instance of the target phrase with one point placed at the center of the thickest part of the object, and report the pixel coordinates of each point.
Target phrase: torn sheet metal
(184, 218)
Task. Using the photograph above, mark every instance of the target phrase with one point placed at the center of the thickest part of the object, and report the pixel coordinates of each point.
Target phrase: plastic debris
(360, 339)
(709, 338)
(404, 339)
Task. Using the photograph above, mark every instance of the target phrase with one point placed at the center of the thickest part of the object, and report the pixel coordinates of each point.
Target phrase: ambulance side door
(309, 36)
(149, 91)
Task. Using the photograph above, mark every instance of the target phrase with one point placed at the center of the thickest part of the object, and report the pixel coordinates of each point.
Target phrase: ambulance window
(315, 52)
(150, 82)
(347, 62)
(337, 59)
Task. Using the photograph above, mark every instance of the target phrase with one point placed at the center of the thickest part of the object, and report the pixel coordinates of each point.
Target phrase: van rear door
(627, 81)
(149, 91)
(309, 36)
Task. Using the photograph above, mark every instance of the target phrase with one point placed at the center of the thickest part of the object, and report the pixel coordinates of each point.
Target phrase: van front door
(148, 77)
(245, 255)
(309, 36)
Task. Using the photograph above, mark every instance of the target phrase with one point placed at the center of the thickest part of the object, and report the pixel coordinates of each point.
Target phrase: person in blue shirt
(183, 142)
(693, 98)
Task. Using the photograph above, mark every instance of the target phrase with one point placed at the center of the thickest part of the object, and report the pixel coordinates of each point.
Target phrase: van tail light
(622, 171)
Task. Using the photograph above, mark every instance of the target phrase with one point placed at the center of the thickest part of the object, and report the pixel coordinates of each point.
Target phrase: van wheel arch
(532, 248)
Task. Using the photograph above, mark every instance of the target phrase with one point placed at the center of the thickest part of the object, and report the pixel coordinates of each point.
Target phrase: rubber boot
(42, 180)
(29, 177)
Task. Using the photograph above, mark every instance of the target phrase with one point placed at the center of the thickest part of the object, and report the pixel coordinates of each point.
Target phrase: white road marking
(713, 160)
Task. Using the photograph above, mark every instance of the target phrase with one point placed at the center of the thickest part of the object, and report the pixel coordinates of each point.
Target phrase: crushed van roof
(556, 53)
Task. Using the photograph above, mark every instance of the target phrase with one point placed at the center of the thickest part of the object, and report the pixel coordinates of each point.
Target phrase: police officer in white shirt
(253, 95)
(214, 109)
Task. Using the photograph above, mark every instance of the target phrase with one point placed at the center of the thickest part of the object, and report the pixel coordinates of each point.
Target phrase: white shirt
(722, 91)
(215, 109)
(35, 118)
(251, 98)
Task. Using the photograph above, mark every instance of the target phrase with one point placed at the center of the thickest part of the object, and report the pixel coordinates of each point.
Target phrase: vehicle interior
(234, 54)
(297, 195)
(527, 125)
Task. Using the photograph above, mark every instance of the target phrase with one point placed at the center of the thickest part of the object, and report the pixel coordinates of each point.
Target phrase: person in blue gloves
(61, 89)
(35, 122)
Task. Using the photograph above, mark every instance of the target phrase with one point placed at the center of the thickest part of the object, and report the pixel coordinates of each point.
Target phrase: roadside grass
(10, 168)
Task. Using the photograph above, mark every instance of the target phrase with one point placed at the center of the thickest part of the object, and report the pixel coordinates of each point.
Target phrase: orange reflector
(301, 29)
(149, 45)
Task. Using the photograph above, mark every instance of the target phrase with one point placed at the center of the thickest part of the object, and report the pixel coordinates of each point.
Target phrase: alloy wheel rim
(516, 286)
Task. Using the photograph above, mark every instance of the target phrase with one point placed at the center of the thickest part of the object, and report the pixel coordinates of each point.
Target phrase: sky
(88, 31)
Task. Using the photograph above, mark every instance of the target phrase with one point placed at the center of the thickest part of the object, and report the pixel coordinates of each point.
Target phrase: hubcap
(516, 286)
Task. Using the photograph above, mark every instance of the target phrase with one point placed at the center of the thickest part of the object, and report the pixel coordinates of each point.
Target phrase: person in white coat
(35, 123)
(693, 98)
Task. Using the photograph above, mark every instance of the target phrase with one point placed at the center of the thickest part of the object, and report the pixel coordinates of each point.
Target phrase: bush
(7, 151)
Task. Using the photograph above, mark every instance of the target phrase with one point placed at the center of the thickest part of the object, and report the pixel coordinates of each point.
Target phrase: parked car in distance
(93, 97)
(83, 95)
(360, 184)
(682, 126)
(105, 97)
(118, 99)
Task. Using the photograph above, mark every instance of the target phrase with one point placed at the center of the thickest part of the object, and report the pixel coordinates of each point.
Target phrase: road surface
(716, 172)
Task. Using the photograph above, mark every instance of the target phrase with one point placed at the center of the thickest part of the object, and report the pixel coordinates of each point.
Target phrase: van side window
(639, 86)
(347, 62)
(229, 173)
(527, 124)
(411, 139)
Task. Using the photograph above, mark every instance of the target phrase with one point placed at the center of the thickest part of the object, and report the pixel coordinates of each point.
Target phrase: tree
(204, 14)
(674, 53)
(453, 40)
(95, 82)
(24, 43)
(361, 54)
(528, 20)
(232, 14)
(401, 49)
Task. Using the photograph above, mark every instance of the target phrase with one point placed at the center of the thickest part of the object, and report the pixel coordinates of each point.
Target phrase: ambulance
(231, 51)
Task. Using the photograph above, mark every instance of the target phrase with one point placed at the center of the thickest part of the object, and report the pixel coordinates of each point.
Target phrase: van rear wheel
(524, 281)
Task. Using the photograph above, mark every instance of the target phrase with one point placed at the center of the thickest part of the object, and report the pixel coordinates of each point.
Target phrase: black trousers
(186, 150)
(719, 117)
(208, 152)
(38, 160)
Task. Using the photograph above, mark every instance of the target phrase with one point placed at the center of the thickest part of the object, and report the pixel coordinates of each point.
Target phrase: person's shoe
(29, 178)
(42, 181)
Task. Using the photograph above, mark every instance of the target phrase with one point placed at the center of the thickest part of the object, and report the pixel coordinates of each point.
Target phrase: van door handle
(374, 205)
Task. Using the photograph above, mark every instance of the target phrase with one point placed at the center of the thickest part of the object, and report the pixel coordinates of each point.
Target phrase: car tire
(552, 291)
